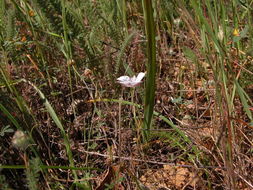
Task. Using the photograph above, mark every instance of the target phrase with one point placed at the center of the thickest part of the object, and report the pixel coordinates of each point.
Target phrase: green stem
(132, 100)
(124, 15)
(151, 67)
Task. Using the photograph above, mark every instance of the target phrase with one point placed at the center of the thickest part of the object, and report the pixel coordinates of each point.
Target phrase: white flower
(131, 81)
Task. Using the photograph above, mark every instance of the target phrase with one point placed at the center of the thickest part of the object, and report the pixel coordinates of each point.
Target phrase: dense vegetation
(66, 123)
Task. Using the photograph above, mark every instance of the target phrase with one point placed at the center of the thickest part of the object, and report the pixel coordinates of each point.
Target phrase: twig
(152, 162)
(247, 182)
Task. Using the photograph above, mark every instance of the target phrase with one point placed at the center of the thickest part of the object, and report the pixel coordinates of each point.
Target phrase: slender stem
(151, 67)
(132, 100)
(124, 15)
(119, 127)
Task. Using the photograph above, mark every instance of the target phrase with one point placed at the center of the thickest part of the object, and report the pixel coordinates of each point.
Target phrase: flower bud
(20, 140)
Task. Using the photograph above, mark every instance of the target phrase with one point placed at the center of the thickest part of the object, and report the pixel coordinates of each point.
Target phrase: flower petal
(123, 78)
(140, 77)
(131, 82)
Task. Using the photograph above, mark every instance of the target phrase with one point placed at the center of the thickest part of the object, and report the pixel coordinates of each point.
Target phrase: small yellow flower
(236, 32)
(183, 67)
(31, 13)
(71, 62)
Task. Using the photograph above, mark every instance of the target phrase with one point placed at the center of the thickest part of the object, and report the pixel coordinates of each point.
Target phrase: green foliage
(171, 137)
(52, 10)
(58, 123)
(108, 14)
(2, 12)
(244, 99)
(6, 129)
(175, 140)
(246, 77)
(10, 26)
(10, 117)
(122, 50)
(33, 173)
(7, 21)
(166, 15)
(2, 8)
(3, 183)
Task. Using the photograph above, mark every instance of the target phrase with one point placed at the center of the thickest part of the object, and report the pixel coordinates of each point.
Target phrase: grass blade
(58, 124)
(10, 117)
(151, 67)
(243, 99)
